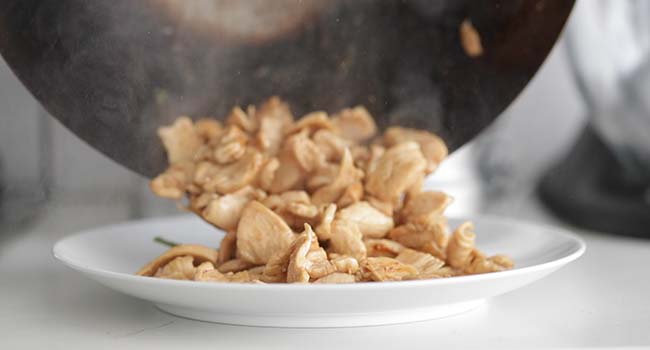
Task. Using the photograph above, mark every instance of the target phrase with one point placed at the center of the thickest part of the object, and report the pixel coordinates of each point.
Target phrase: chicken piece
(255, 273)
(345, 264)
(324, 228)
(416, 234)
(370, 221)
(208, 129)
(376, 152)
(289, 175)
(181, 140)
(198, 202)
(351, 195)
(224, 211)
(274, 118)
(198, 252)
(234, 265)
(243, 120)
(383, 247)
(470, 39)
(308, 156)
(323, 176)
(298, 263)
(227, 247)
(381, 269)
(461, 246)
(181, 268)
(355, 124)
(275, 271)
(384, 207)
(261, 233)
(311, 123)
(347, 175)
(230, 177)
(317, 263)
(396, 171)
(432, 146)
(205, 273)
(336, 278)
(294, 207)
(346, 239)
(267, 173)
(434, 249)
(330, 144)
(426, 264)
(425, 204)
(173, 182)
(503, 261)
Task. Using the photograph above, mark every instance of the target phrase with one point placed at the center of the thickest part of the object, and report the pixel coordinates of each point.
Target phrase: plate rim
(576, 252)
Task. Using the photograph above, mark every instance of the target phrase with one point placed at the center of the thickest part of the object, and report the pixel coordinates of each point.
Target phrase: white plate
(111, 254)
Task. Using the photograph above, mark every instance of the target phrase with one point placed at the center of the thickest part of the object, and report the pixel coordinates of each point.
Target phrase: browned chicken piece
(231, 146)
(434, 249)
(345, 264)
(355, 124)
(425, 205)
(294, 207)
(208, 129)
(200, 201)
(416, 234)
(198, 252)
(330, 144)
(470, 39)
(234, 265)
(426, 264)
(346, 239)
(323, 176)
(275, 271)
(347, 175)
(227, 247)
(181, 268)
(384, 207)
(433, 148)
(351, 195)
(318, 265)
(230, 177)
(172, 183)
(256, 273)
(383, 247)
(289, 175)
(298, 262)
(181, 140)
(205, 273)
(243, 120)
(306, 153)
(370, 221)
(261, 233)
(324, 228)
(461, 246)
(311, 123)
(267, 173)
(396, 171)
(224, 211)
(503, 261)
(274, 118)
(376, 151)
(336, 278)
(386, 269)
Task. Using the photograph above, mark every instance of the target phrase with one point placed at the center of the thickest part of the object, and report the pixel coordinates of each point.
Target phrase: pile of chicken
(322, 199)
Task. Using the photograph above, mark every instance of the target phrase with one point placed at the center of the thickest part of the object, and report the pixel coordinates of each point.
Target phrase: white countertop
(603, 299)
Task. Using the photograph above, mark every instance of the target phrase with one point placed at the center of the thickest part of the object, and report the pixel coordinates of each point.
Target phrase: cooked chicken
(346, 239)
(355, 124)
(426, 264)
(261, 233)
(370, 221)
(383, 247)
(230, 177)
(181, 268)
(461, 245)
(224, 211)
(425, 204)
(298, 262)
(336, 277)
(234, 265)
(227, 247)
(172, 183)
(181, 140)
(346, 264)
(199, 253)
(324, 228)
(347, 175)
(433, 148)
(386, 269)
(396, 171)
